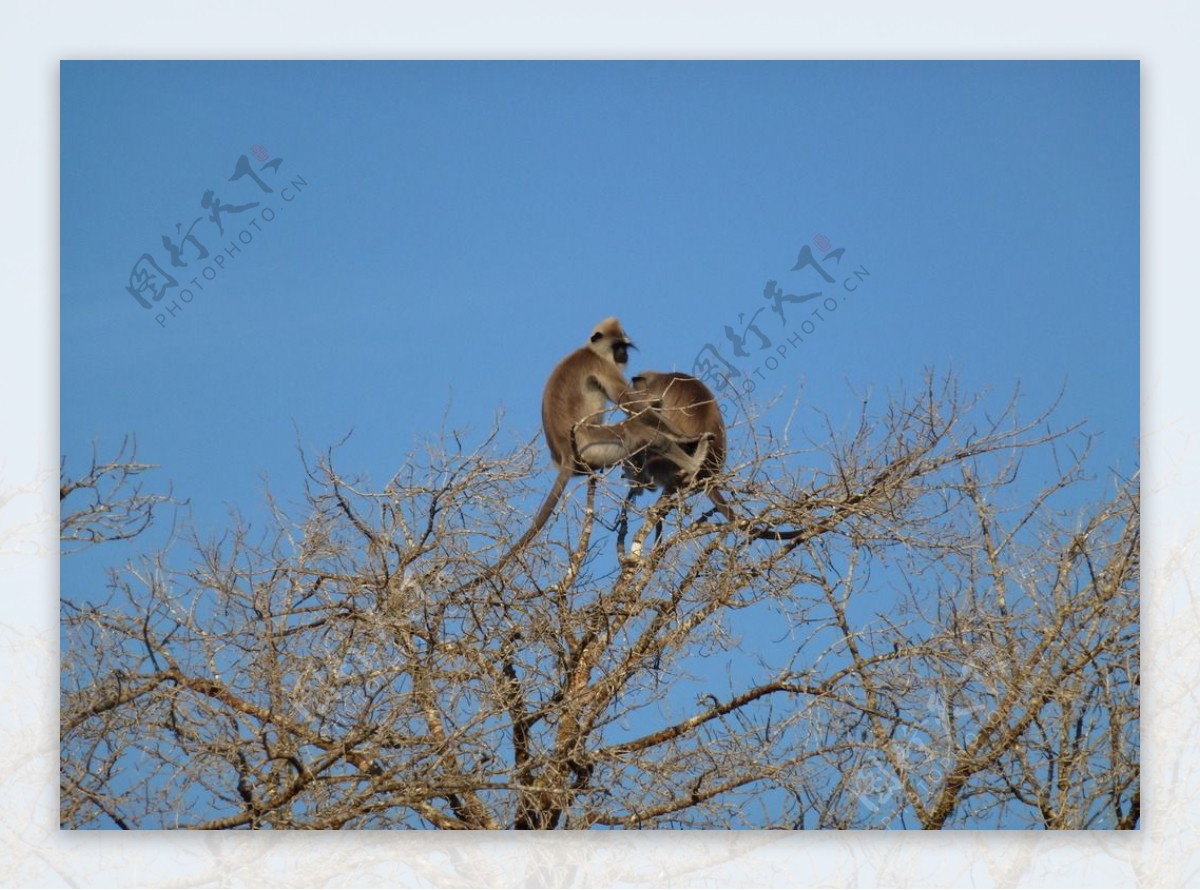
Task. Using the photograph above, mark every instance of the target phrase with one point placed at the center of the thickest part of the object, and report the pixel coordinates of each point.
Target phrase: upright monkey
(574, 403)
(690, 407)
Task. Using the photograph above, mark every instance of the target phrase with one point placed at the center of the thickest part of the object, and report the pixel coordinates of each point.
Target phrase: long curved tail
(761, 534)
(545, 511)
(771, 534)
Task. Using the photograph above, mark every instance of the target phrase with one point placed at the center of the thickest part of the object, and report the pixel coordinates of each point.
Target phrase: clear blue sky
(440, 234)
(461, 226)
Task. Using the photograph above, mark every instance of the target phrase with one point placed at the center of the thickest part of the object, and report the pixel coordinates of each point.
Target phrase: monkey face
(618, 347)
(609, 340)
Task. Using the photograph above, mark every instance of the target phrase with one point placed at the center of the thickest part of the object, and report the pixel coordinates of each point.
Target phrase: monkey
(574, 403)
(690, 407)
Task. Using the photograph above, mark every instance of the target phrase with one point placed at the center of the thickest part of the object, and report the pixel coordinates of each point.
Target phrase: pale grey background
(33, 852)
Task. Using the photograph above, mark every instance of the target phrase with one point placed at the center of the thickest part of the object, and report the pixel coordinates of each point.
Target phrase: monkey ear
(596, 336)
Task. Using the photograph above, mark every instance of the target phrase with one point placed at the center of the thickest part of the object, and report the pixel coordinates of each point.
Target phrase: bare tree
(946, 646)
(106, 502)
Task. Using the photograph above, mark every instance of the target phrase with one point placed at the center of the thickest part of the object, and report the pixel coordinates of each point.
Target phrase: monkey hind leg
(699, 455)
(599, 447)
(690, 456)
(623, 520)
(658, 525)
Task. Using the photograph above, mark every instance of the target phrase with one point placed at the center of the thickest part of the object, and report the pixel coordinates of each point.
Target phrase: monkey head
(609, 341)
